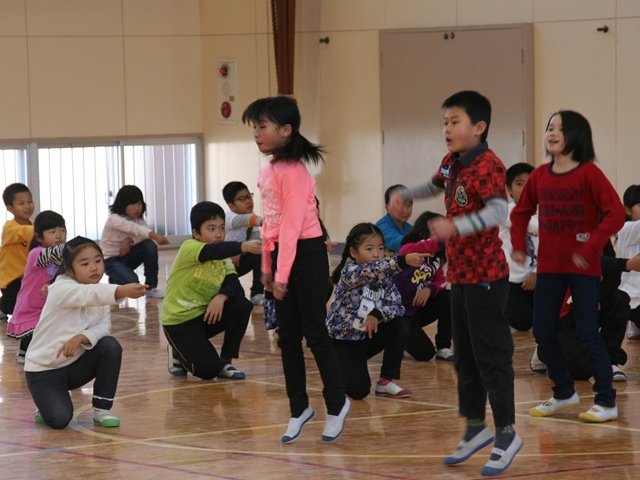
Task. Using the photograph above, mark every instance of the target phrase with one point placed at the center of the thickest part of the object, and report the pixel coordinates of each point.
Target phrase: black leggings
(50, 388)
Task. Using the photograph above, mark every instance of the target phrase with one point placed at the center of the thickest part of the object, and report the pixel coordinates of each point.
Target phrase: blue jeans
(50, 388)
(120, 270)
(548, 298)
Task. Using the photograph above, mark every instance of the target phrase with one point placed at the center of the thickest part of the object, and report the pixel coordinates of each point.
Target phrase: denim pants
(120, 270)
(303, 313)
(549, 295)
(484, 350)
(50, 388)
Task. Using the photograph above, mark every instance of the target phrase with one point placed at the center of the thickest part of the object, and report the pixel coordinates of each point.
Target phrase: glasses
(244, 198)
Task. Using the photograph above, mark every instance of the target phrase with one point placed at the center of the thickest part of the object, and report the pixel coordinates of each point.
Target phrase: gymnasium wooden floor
(230, 430)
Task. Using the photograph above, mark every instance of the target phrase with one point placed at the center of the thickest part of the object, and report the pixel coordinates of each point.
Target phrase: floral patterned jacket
(363, 287)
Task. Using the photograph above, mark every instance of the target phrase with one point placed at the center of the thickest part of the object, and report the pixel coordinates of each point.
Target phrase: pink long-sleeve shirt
(289, 213)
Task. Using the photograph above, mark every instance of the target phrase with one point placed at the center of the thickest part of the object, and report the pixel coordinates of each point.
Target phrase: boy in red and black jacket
(472, 178)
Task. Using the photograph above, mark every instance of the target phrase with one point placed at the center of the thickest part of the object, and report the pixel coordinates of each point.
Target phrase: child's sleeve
(612, 212)
(137, 231)
(522, 213)
(101, 329)
(429, 245)
(354, 274)
(75, 295)
(297, 186)
(245, 220)
(50, 255)
(219, 251)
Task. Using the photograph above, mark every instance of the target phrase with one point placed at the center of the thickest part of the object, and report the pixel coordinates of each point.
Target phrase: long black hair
(420, 230)
(45, 220)
(127, 195)
(357, 234)
(283, 110)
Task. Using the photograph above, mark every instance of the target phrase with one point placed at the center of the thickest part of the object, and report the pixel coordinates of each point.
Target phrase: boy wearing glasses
(241, 225)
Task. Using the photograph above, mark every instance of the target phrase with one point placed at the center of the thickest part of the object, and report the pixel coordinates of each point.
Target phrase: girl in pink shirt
(294, 260)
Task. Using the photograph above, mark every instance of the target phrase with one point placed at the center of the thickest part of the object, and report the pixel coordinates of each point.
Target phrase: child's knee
(110, 346)
(58, 421)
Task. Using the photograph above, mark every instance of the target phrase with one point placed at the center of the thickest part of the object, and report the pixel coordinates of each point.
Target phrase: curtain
(283, 18)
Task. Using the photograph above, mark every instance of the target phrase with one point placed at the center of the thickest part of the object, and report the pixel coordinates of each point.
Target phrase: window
(13, 168)
(80, 181)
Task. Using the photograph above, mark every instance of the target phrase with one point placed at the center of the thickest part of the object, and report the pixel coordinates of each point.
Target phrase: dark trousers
(9, 296)
(50, 388)
(634, 315)
(549, 295)
(519, 310)
(484, 351)
(419, 345)
(353, 355)
(190, 340)
(120, 270)
(303, 313)
(251, 263)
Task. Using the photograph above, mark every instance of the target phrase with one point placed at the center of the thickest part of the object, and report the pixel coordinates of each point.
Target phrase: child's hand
(252, 246)
(415, 259)
(519, 257)
(633, 264)
(131, 290)
(235, 260)
(279, 290)
(159, 239)
(579, 261)
(214, 310)
(267, 281)
(371, 325)
(421, 298)
(125, 246)
(68, 348)
(529, 283)
(330, 245)
(442, 228)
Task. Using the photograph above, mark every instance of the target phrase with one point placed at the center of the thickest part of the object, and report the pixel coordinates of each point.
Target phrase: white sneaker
(633, 332)
(535, 364)
(20, 356)
(551, 406)
(295, 425)
(599, 414)
(500, 459)
(175, 366)
(466, 448)
(258, 299)
(104, 418)
(334, 424)
(392, 389)
(445, 354)
(618, 374)
(155, 293)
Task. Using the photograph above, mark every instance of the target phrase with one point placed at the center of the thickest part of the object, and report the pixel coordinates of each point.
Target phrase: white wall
(91, 68)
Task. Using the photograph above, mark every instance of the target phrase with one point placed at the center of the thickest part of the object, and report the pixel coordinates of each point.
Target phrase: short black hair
(127, 195)
(477, 106)
(10, 192)
(516, 170)
(390, 190)
(203, 211)
(578, 140)
(631, 196)
(231, 189)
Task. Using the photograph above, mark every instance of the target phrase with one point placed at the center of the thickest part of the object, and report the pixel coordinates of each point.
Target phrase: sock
(474, 427)
(504, 437)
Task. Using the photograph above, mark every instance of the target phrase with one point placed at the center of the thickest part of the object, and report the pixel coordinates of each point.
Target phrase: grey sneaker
(536, 365)
(175, 365)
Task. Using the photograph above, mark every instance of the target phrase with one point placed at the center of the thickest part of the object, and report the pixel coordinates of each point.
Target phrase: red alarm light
(225, 109)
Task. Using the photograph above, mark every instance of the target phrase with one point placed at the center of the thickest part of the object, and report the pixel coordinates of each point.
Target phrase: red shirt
(570, 207)
(469, 182)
